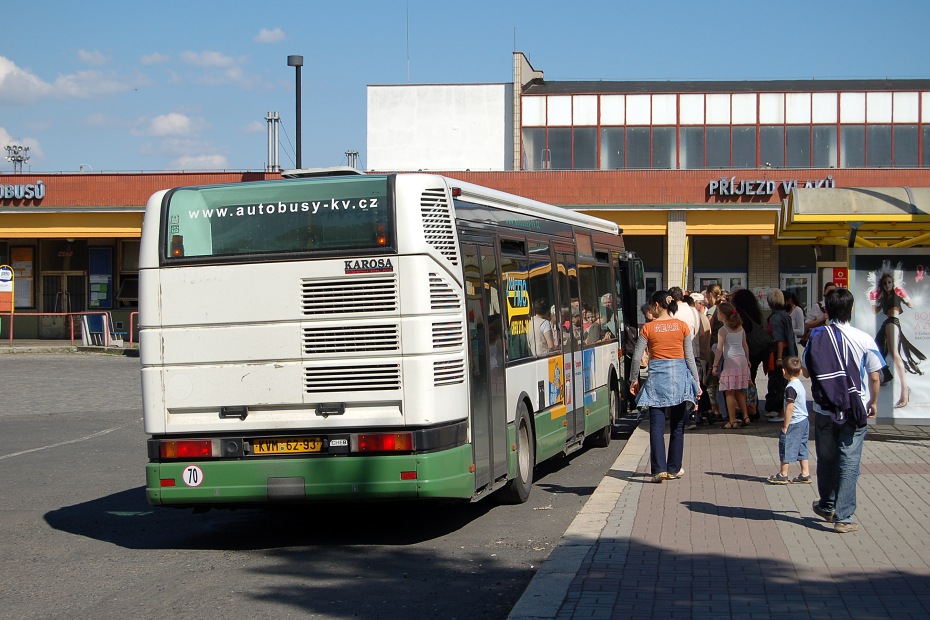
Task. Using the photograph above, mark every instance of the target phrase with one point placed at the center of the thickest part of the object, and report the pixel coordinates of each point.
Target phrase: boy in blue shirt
(795, 432)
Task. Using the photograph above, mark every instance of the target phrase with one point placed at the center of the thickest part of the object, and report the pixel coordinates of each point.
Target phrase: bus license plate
(286, 445)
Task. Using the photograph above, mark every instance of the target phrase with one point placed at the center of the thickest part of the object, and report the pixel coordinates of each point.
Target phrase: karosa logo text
(369, 265)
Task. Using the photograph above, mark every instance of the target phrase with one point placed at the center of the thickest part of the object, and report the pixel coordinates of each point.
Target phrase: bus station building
(728, 182)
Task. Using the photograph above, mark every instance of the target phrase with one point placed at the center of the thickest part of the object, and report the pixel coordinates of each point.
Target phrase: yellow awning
(78, 224)
(862, 217)
(700, 221)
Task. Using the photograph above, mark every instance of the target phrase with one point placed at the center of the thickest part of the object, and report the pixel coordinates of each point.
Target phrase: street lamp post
(298, 62)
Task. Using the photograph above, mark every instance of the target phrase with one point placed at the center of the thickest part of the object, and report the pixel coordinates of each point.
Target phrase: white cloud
(218, 68)
(154, 59)
(174, 124)
(208, 59)
(93, 57)
(269, 36)
(200, 162)
(18, 85)
(255, 127)
(88, 84)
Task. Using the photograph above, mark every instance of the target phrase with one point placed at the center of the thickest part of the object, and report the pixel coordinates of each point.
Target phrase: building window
(128, 294)
(879, 146)
(535, 156)
(718, 147)
(692, 148)
(825, 146)
(744, 147)
(794, 130)
(22, 260)
(637, 143)
(664, 148)
(798, 146)
(925, 155)
(612, 148)
(772, 146)
(560, 148)
(852, 146)
(584, 149)
(905, 146)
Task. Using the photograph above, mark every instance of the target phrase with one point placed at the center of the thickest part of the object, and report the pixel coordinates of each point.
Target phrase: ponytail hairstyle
(665, 301)
(729, 314)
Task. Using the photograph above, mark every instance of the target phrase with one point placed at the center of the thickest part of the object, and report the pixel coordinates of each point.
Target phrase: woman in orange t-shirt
(672, 384)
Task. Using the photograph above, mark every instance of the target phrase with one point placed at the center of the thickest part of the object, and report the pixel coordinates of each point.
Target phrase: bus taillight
(177, 246)
(186, 449)
(386, 442)
(380, 235)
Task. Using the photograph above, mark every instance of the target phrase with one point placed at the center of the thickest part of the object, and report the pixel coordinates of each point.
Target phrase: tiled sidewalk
(721, 542)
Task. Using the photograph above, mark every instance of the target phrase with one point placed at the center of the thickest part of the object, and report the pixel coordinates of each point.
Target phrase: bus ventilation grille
(349, 296)
(437, 223)
(355, 378)
(441, 295)
(448, 372)
(352, 339)
(447, 335)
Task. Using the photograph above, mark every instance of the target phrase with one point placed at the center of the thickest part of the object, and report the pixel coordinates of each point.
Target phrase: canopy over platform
(861, 217)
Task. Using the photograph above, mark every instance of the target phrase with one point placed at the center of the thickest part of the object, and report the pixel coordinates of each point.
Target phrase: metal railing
(70, 318)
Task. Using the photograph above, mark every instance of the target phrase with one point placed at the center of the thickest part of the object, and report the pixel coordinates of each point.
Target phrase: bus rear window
(279, 217)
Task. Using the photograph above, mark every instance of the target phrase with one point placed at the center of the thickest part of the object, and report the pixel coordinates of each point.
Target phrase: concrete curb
(548, 589)
(58, 350)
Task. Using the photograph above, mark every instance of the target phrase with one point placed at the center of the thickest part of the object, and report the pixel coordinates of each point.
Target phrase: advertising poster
(892, 294)
(555, 380)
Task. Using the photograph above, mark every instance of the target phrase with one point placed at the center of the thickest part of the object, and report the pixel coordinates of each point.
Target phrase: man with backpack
(844, 366)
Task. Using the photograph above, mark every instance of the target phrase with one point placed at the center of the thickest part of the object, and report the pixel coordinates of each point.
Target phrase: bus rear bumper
(443, 474)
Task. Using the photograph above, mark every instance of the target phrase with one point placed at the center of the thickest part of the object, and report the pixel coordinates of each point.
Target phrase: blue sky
(127, 86)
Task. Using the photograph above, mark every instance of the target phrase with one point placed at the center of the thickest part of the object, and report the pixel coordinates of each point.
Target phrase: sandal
(731, 426)
(746, 421)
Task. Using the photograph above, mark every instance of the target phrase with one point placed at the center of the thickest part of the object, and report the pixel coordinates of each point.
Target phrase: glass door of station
(61, 293)
(725, 280)
(802, 284)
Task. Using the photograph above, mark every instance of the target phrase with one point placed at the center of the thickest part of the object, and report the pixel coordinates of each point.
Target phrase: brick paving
(723, 543)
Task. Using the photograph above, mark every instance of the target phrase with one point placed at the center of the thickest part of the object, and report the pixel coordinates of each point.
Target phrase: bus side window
(518, 309)
(542, 291)
(605, 302)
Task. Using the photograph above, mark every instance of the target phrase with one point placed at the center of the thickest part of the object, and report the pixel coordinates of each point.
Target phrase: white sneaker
(659, 477)
(681, 472)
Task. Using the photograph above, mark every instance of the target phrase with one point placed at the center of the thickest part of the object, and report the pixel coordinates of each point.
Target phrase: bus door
(486, 362)
(571, 322)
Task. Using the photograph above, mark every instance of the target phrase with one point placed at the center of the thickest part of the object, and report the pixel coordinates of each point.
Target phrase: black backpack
(759, 341)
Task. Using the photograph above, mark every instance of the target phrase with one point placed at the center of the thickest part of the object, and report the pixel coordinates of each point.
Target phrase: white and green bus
(371, 336)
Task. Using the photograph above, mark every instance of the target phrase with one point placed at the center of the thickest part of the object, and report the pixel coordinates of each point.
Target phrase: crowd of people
(730, 341)
(701, 354)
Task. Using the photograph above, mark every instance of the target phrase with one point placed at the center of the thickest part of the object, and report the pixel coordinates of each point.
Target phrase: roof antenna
(408, 41)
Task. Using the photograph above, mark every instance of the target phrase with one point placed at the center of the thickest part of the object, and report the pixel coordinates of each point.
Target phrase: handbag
(752, 398)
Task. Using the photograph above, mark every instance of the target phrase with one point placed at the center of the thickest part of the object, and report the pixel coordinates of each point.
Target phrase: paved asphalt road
(78, 539)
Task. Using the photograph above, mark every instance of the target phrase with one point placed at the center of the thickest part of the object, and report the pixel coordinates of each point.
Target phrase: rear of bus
(280, 361)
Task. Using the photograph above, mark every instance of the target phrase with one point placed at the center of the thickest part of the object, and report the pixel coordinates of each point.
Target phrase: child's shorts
(792, 446)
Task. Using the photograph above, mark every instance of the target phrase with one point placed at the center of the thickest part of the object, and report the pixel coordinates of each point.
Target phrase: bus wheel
(518, 489)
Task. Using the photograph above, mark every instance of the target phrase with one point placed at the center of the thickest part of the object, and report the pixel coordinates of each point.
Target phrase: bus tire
(518, 488)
